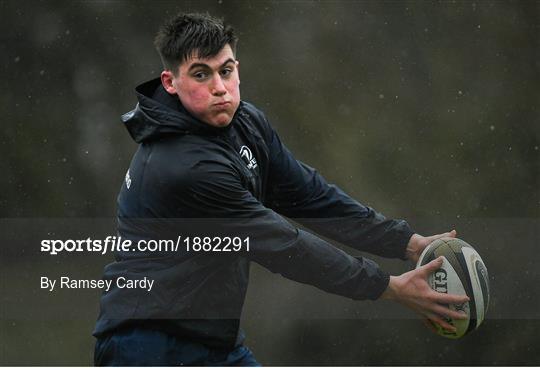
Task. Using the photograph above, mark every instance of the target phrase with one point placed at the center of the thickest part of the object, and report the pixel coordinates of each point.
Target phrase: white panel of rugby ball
(463, 273)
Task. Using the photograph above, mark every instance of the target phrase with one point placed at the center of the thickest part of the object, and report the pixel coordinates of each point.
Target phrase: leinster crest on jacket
(246, 154)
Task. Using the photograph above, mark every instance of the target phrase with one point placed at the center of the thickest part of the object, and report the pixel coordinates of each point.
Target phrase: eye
(200, 75)
(226, 72)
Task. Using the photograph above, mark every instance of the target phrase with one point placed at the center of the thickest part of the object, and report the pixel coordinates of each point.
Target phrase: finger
(443, 298)
(429, 325)
(432, 266)
(451, 234)
(441, 322)
(447, 312)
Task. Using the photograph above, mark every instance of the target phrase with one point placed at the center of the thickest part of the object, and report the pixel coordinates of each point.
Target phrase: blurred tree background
(427, 111)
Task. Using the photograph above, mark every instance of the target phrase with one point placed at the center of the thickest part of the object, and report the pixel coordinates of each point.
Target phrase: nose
(218, 87)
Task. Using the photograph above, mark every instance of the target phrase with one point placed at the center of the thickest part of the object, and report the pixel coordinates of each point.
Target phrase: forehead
(214, 61)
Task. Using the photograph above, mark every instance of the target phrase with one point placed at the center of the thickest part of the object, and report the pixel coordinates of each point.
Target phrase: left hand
(418, 243)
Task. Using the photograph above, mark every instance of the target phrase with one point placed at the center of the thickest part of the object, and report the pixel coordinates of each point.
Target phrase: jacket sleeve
(299, 192)
(215, 190)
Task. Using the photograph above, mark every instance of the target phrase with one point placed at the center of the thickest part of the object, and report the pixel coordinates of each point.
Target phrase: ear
(167, 79)
(238, 69)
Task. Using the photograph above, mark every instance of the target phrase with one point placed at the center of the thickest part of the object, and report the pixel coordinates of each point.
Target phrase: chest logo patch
(128, 180)
(246, 154)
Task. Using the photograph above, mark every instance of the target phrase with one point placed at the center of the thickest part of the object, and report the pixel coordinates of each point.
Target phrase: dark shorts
(143, 347)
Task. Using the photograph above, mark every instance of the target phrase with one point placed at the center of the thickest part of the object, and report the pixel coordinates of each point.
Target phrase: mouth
(222, 104)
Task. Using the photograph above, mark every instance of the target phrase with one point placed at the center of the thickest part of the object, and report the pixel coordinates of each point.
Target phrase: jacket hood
(159, 113)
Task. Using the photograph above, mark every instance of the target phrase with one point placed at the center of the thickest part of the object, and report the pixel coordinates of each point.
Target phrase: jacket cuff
(403, 237)
(374, 283)
(380, 286)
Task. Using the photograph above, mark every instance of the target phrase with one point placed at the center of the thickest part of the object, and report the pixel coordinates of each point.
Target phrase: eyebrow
(202, 65)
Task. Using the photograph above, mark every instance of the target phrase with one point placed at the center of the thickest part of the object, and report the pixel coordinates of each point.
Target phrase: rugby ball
(463, 273)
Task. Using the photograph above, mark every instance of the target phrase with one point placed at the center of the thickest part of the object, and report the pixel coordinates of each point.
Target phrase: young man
(205, 154)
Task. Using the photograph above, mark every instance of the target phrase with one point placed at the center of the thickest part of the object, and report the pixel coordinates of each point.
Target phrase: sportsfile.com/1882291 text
(118, 244)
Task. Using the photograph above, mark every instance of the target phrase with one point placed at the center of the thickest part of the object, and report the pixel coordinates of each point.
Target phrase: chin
(220, 123)
(221, 120)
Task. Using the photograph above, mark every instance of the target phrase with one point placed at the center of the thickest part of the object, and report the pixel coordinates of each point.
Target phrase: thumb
(451, 234)
(432, 266)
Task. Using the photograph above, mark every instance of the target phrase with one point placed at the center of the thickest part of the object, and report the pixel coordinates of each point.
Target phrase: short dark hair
(192, 35)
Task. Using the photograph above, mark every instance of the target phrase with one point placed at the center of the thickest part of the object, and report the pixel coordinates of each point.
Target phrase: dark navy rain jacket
(188, 177)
